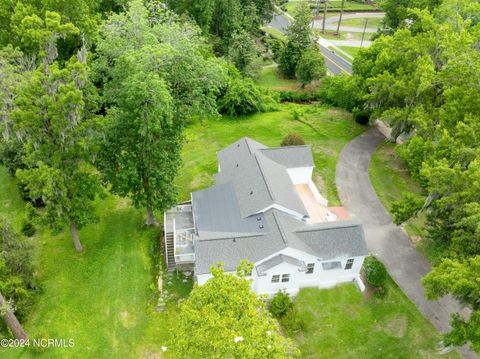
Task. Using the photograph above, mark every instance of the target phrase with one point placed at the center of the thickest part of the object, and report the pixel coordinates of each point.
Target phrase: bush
(280, 304)
(274, 45)
(291, 321)
(299, 97)
(380, 292)
(311, 66)
(28, 229)
(292, 139)
(242, 96)
(375, 272)
(360, 116)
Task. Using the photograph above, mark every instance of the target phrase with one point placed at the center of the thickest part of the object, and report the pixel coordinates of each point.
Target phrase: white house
(264, 207)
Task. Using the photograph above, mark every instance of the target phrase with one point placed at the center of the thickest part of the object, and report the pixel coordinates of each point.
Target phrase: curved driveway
(384, 239)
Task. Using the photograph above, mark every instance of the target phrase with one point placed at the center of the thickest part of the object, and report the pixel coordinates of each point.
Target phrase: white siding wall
(319, 278)
(300, 174)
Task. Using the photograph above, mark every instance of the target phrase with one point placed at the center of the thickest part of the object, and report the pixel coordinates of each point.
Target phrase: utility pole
(340, 20)
(364, 28)
(324, 15)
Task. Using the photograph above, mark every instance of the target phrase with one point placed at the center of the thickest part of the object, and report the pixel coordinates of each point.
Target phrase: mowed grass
(331, 5)
(373, 22)
(326, 129)
(352, 51)
(342, 323)
(271, 77)
(104, 299)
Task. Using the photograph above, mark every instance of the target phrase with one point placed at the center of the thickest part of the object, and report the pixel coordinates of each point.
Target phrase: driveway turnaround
(385, 240)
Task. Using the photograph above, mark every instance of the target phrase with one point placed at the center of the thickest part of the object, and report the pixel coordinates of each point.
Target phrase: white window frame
(276, 278)
(310, 268)
(349, 263)
(286, 278)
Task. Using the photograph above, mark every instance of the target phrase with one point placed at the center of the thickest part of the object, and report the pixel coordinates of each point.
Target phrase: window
(310, 267)
(285, 278)
(331, 265)
(275, 278)
(349, 264)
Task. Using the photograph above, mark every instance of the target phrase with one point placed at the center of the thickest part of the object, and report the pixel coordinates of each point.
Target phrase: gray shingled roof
(278, 259)
(217, 214)
(331, 240)
(252, 178)
(290, 156)
(259, 181)
(328, 240)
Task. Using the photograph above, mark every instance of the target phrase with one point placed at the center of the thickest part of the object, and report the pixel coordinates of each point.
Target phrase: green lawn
(334, 5)
(271, 77)
(104, 298)
(360, 23)
(342, 323)
(327, 130)
(274, 32)
(390, 178)
(352, 51)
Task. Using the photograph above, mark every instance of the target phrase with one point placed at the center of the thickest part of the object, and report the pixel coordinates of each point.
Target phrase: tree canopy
(224, 318)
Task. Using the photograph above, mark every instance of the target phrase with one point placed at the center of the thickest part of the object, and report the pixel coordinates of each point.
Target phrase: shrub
(311, 66)
(292, 139)
(299, 97)
(375, 272)
(280, 304)
(273, 44)
(343, 91)
(242, 96)
(28, 229)
(291, 321)
(380, 292)
(361, 116)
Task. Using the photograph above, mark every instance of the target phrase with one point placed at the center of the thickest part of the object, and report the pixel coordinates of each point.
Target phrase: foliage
(343, 91)
(460, 279)
(156, 77)
(244, 53)
(28, 229)
(17, 282)
(241, 96)
(275, 45)
(299, 97)
(375, 271)
(224, 18)
(292, 139)
(225, 318)
(360, 116)
(310, 66)
(280, 304)
(291, 321)
(405, 208)
(397, 11)
(299, 39)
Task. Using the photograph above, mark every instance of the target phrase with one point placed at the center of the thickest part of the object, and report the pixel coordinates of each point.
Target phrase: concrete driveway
(385, 240)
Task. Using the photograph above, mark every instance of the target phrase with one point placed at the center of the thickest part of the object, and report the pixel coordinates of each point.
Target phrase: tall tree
(224, 318)
(311, 66)
(56, 132)
(299, 38)
(156, 76)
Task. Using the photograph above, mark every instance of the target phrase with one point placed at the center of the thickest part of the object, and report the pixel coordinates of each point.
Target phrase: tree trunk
(324, 16)
(340, 20)
(76, 240)
(11, 320)
(151, 221)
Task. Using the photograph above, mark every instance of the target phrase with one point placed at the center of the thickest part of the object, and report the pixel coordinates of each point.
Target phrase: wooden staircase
(169, 250)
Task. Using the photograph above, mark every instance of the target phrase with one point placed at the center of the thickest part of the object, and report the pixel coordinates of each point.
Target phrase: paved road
(331, 22)
(386, 240)
(335, 64)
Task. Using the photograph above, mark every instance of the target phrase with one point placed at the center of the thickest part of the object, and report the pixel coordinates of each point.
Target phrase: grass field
(360, 23)
(274, 32)
(270, 77)
(352, 51)
(326, 130)
(342, 323)
(334, 5)
(389, 177)
(104, 299)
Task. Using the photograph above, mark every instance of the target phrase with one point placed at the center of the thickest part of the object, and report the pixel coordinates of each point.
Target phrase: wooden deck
(316, 211)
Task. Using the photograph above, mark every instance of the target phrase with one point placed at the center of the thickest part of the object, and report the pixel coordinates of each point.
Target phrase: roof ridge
(280, 227)
(264, 178)
(283, 147)
(328, 225)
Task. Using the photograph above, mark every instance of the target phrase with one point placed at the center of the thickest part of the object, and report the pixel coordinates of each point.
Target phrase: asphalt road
(335, 63)
(384, 239)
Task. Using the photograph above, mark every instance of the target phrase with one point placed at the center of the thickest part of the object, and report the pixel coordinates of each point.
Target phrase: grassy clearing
(326, 130)
(352, 51)
(360, 23)
(342, 323)
(272, 78)
(334, 5)
(274, 32)
(104, 298)
(390, 179)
